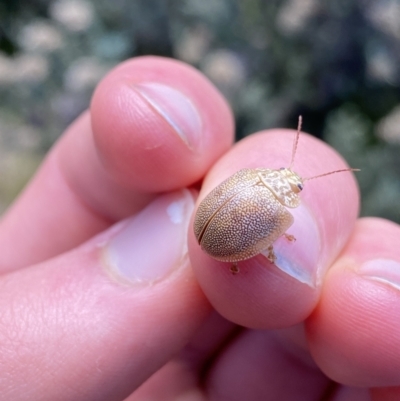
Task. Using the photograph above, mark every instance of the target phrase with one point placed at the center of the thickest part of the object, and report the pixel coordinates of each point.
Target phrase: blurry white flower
(225, 69)
(6, 70)
(389, 126)
(294, 15)
(385, 15)
(25, 68)
(380, 66)
(75, 15)
(193, 44)
(30, 68)
(84, 73)
(40, 36)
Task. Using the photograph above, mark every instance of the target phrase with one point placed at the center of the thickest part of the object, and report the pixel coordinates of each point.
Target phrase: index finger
(266, 295)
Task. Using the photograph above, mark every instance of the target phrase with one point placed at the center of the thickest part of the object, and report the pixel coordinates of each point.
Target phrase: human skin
(102, 298)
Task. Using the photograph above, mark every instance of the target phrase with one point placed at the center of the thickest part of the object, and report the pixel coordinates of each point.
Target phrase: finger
(155, 125)
(354, 332)
(272, 371)
(278, 367)
(263, 295)
(95, 323)
(179, 378)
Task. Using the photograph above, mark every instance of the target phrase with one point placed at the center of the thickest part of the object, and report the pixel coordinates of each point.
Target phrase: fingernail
(153, 243)
(177, 109)
(300, 258)
(383, 270)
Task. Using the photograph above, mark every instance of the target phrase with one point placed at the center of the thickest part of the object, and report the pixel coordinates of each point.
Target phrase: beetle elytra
(245, 214)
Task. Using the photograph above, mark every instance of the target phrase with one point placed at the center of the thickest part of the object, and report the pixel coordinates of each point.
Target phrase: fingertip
(354, 331)
(266, 295)
(159, 124)
(259, 296)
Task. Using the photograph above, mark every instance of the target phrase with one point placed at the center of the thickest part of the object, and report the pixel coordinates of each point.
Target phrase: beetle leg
(271, 254)
(289, 237)
(234, 268)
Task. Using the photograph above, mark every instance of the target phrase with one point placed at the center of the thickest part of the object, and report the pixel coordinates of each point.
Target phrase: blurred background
(336, 62)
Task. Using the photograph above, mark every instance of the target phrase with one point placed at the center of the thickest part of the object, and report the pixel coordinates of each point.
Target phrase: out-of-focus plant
(335, 62)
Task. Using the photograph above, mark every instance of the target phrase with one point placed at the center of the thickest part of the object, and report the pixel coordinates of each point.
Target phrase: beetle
(245, 214)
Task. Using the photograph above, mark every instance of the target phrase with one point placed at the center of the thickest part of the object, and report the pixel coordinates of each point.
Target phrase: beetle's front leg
(289, 237)
(271, 254)
(234, 268)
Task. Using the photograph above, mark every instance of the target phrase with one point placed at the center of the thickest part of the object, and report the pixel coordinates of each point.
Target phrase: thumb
(98, 321)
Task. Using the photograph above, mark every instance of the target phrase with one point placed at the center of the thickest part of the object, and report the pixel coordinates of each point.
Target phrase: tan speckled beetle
(246, 213)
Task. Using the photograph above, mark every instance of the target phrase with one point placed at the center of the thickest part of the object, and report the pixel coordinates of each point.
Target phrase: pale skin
(69, 331)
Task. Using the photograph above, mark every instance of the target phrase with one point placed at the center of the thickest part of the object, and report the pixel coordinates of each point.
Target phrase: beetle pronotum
(245, 214)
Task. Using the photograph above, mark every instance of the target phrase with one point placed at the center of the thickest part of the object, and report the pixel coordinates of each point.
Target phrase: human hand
(97, 309)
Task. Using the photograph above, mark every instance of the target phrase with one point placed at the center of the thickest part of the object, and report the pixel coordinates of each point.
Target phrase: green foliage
(335, 62)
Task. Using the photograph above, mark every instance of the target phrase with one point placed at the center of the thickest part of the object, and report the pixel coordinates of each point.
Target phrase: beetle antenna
(331, 172)
(296, 141)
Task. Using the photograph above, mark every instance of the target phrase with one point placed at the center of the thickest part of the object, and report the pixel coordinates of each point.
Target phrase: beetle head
(284, 183)
(293, 179)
